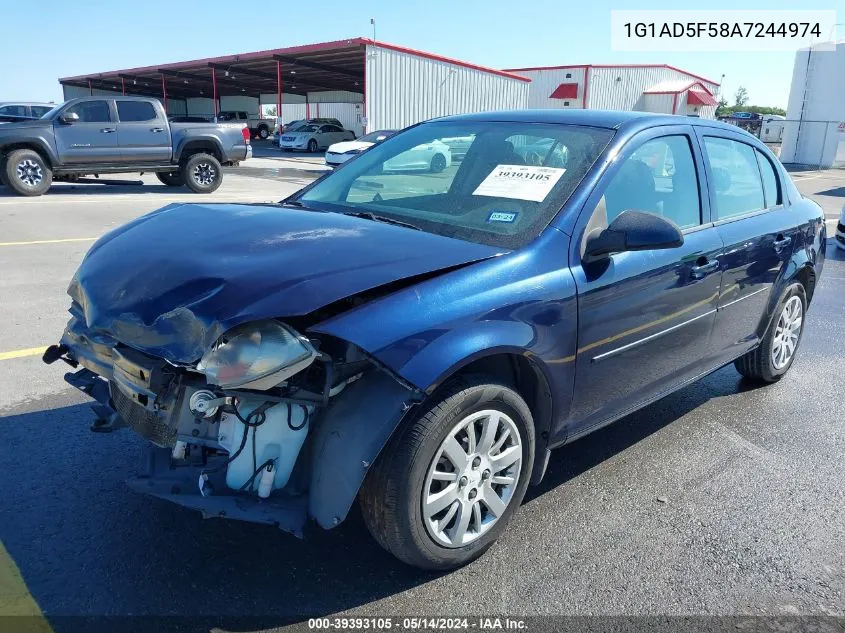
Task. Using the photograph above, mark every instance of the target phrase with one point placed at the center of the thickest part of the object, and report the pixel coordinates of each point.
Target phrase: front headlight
(256, 356)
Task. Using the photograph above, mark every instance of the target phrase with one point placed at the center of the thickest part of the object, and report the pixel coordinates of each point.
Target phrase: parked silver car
(314, 137)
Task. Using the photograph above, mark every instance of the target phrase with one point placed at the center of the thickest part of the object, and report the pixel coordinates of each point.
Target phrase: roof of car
(612, 119)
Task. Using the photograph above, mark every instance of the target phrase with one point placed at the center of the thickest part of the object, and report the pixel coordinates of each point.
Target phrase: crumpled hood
(171, 282)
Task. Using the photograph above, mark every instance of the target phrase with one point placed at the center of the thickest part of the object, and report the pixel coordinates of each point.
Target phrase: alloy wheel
(204, 174)
(29, 172)
(787, 332)
(472, 478)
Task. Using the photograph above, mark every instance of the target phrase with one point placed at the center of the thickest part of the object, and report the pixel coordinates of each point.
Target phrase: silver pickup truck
(108, 135)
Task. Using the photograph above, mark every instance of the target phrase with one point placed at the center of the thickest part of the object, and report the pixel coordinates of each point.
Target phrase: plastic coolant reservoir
(275, 439)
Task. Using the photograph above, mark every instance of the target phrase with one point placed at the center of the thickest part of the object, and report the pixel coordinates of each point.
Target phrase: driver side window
(92, 111)
(659, 177)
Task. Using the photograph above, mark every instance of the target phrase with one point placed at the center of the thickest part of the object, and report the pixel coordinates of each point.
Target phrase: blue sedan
(420, 341)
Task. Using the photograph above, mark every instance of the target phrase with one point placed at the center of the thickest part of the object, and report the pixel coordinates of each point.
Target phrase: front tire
(446, 485)
(769, 361)
(171, 178)
(438, 163)
(312, 146)
(202, 173)
(26, 173)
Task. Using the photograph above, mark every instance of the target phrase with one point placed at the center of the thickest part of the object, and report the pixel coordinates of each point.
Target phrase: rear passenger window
(129, 111)
(660, 178)
(736, 182)
(92, 111)
(770, 181)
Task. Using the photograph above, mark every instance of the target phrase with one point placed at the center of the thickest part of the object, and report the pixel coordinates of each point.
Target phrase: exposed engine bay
(230, 432)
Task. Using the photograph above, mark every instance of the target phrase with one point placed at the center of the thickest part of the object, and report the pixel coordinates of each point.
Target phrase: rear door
(143, 132)
(645, 317)
(758, 230)
(91, 139)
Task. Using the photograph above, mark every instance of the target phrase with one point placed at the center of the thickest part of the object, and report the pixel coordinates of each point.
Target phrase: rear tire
(171, 178)
(202, 173)
(772, 358)
(264, 132)
(26, 173)
(417, 471)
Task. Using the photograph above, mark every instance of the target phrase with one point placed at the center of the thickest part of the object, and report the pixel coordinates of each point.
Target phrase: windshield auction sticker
(520, 182)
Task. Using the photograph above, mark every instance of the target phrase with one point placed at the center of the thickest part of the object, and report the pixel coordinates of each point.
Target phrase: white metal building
(367, 85)
(814, 132)
(643, 87)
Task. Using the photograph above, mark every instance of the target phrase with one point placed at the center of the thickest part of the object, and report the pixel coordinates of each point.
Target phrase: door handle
(156, 129)
(107, 130)
(699, 271)
(782, 242)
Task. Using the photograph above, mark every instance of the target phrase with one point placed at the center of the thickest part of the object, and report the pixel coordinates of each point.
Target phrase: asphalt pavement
(720, 499)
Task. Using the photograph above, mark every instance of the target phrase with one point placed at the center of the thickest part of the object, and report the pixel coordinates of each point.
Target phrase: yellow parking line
(20, 353)
(69, 239)
(15, 600)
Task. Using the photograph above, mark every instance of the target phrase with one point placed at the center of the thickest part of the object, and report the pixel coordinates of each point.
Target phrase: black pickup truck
(108, 135)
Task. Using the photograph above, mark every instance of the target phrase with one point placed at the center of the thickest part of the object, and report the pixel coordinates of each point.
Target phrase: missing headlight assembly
(254, 429)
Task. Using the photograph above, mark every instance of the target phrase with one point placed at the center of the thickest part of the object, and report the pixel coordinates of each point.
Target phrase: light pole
(373, 22)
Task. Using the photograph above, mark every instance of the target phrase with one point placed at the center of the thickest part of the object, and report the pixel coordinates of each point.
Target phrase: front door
(142, 132)
(645, 317)
(91, 139)
(758, 231)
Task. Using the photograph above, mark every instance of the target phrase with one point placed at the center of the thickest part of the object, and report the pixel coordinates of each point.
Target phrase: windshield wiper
(369, 215)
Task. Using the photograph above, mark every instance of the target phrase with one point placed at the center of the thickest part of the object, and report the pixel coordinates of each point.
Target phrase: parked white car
(314, 137)
(339, 153)
(840, 230)
(434, 156)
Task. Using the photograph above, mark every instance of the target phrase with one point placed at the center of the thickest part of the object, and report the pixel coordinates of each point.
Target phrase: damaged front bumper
(278, 457)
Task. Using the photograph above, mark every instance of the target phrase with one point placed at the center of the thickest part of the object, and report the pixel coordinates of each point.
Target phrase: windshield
(499, 183)
(377, 137)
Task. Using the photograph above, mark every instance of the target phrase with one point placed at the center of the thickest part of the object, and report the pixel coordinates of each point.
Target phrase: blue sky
(61, 38)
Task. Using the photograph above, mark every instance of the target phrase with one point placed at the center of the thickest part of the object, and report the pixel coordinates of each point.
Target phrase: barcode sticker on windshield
(520, 182)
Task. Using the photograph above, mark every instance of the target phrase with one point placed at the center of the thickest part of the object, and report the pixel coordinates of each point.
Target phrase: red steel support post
(214, 89)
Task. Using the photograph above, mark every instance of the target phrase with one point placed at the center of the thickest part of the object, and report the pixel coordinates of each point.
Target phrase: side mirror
(70, 117)
(633, 231)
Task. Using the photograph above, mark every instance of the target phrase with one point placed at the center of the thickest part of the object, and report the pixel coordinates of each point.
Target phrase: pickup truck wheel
(26, 173)
(263, 132)
(444, 488)
(202, 173)
(171, 178)
(773, 357)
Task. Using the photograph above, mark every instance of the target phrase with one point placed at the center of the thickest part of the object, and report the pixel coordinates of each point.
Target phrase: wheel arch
(35, 146)
(528, 376)
(198, 146)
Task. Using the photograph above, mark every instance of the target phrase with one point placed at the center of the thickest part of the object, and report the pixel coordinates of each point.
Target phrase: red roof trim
(293, 50)
(565, 91)
(675, 68)
(680, 90)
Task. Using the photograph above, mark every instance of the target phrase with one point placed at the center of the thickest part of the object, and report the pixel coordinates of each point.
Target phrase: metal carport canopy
(329, 66)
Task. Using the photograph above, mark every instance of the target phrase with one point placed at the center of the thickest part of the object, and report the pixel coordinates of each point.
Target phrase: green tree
(741, 96)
